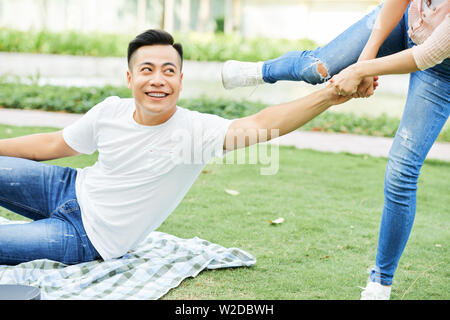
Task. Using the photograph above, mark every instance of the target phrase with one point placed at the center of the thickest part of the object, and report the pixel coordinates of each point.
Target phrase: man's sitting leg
(46, 194)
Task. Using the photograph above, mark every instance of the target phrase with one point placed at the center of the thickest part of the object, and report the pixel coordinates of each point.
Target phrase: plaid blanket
(158, 264)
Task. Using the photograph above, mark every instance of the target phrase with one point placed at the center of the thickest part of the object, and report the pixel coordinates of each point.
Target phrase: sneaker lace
(253, 91)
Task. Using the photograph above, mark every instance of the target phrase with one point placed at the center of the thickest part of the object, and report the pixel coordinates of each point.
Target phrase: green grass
(332, 205)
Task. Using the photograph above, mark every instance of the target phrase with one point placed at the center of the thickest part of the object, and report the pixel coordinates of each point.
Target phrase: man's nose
(158, 79)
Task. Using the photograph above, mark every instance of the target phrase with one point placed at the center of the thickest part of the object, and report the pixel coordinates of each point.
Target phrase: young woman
(402, 36)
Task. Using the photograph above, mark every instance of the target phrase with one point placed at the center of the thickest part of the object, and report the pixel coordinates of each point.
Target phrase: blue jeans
(46, 194)
(426, 111)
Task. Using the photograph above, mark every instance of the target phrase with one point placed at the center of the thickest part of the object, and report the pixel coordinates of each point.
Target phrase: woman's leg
(317, 66)
(426, 111)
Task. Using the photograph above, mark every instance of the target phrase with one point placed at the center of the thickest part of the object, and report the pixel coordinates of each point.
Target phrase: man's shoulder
(195, 114)
(117, 101)
(113, 103)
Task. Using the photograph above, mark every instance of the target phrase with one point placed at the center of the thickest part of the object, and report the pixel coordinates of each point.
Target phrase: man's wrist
(328, 95)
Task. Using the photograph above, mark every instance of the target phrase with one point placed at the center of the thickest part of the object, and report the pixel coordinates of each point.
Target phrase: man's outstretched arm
(280, 119)
(38, 147)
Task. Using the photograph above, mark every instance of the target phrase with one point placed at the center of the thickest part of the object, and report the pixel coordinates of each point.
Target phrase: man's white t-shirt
(142, 172)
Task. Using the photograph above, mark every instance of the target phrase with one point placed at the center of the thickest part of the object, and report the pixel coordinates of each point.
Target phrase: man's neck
(146, 118)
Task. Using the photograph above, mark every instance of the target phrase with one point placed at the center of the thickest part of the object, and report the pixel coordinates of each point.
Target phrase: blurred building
(320, 20)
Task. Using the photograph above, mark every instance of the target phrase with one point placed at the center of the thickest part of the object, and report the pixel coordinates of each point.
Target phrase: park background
(67, 55)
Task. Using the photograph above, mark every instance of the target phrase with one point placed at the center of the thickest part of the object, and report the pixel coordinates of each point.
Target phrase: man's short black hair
(153, 37)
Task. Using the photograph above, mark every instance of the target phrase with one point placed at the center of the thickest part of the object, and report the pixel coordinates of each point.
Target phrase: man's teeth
(156, 95)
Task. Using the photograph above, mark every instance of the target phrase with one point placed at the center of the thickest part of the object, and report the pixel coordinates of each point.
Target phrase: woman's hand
(352, 82)
(347, 81)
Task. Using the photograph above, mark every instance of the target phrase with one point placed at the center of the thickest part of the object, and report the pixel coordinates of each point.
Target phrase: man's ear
(129, 79)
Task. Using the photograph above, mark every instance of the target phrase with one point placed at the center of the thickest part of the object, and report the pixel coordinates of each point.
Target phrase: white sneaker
(241, 74)
(376, 291)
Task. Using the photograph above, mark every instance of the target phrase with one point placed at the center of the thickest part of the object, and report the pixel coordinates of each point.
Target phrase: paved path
(331, 142)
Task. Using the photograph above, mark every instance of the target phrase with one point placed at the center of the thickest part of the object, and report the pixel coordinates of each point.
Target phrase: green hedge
(198, 47)
(80, 100)
(55, 98)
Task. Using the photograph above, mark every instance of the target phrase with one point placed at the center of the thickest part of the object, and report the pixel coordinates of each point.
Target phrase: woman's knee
(315, 71)
(296, 66)
(401, 175)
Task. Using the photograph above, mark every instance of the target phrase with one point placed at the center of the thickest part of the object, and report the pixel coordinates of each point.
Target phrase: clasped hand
(350, 82)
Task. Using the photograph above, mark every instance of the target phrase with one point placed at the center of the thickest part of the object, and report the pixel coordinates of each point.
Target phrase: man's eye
(146, 69)
(170, 70)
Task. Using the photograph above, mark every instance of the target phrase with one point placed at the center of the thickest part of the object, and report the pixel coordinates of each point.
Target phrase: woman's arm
(397, 63)
(390, 15)
(431, 52)
(435, 48)
(347, 81)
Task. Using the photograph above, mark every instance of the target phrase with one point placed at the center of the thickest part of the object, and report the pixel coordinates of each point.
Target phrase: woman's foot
(376, 291)
(241, 74)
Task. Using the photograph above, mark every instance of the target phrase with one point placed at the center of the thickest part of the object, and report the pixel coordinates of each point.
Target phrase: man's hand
(366, 88)
(351, 82)
(333, 95)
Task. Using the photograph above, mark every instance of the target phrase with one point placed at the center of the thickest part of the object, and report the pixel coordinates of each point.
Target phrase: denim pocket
(69, 206)
(70, 212)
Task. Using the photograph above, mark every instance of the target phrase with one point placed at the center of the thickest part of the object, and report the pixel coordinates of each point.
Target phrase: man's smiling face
(155, 79)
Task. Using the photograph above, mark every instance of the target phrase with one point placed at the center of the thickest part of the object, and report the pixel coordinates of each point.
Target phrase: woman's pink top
(429, 28)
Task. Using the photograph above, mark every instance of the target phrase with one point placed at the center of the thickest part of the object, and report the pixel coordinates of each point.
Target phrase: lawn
(331, 204)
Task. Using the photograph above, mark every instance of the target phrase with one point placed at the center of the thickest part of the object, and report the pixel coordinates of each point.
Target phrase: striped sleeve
(434, 49)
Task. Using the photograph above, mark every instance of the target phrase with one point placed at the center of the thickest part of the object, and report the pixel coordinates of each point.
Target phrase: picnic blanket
(158, 264)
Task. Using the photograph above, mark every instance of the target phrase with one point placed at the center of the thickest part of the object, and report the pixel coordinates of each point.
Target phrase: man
(105, 210)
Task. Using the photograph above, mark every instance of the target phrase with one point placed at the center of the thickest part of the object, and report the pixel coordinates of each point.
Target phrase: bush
(70, 43)
(222, 47)
(80, 100)
(55, 98)
(199, 47)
